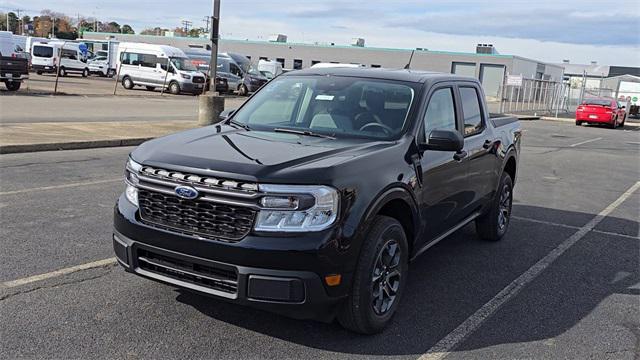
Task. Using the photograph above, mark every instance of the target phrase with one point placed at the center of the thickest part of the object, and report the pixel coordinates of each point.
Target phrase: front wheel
(379, 278)
(494, 223)
(174, 88)
(127, 83)
(85, 72)
(242, 90)
(63, 72)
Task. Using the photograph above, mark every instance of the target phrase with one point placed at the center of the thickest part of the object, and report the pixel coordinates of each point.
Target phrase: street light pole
(213, 36)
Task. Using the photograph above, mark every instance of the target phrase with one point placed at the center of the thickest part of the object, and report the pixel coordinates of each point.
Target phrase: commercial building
(485, 64)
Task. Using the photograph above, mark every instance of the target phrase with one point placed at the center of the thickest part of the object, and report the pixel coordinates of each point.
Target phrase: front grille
(198, 79)
(195, 217)
(218, 277)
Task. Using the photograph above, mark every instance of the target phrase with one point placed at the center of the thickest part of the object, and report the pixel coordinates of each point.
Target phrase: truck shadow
(455, 278)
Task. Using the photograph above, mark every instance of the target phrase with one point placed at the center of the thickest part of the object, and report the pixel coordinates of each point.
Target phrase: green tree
(126, 29)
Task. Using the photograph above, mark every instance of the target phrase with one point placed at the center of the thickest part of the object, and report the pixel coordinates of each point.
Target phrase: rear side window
(471, 110)
(69, 54)
(441, 113)
(43, 51)
(147, 60)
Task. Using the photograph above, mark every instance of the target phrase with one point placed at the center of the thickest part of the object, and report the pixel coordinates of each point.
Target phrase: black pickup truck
(13, 70)
(312, 198)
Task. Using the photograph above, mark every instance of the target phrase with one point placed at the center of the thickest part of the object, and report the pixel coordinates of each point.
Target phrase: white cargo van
(270, 68)
(154, 66)
(44, 58)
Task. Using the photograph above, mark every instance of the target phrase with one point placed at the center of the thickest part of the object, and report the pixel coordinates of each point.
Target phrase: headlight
(131, 180)
(185, 76)
(290, 208)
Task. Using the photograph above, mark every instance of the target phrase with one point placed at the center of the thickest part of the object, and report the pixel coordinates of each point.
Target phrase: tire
(624, 119)
(63, 72)
(127, 83)
(111, 73)
(362, 311)
(39, 72)
(150, 88)
(85, 72)
(174, 88)
(13, 85)
(242, 90)
(578, 123)
(614, 124)
(492, 225)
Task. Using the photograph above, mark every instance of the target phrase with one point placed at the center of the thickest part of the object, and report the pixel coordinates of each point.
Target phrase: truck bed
(499, 120)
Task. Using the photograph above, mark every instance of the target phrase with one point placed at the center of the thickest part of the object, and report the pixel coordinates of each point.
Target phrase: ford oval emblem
(186, 192)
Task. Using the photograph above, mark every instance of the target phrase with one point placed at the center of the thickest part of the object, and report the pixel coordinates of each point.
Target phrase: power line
(186, 24)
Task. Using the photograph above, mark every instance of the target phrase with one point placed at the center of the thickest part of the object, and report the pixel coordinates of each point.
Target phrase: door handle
(487, 144)
(459, 155)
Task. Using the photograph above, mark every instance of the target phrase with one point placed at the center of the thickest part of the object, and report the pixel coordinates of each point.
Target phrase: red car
(601, 111)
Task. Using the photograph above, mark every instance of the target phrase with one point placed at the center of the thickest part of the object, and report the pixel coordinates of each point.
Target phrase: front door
(444, 184)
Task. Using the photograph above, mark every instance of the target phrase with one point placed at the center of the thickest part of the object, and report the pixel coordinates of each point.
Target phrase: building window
(375, 65)
(491, 77)
(264, 58)
(463, 68)
(297, 64)
(249, 57)
(313, 62)
(281, 61)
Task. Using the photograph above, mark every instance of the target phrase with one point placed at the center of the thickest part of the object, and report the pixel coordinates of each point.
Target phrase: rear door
(479, 144)
(444, 192)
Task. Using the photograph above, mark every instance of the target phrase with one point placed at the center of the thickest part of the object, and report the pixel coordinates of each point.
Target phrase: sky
(579, 30)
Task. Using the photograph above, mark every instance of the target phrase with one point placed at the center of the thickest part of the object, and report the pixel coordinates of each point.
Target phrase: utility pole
(213, 36)
(53, 28)
(186, 24)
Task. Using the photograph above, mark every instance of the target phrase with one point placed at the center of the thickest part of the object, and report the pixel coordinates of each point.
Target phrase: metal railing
(532, 96)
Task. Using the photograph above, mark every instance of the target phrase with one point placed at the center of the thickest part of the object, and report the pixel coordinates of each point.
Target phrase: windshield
(183, 64)
(331, 105)
(255, 72)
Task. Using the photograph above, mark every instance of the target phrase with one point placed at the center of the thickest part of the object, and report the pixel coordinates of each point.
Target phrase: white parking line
(43, 188)
(454, 338)
(585, 142)
(65, 271)
(551, 223)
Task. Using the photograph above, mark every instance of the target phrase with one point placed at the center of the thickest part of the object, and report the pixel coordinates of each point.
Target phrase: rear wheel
(63, 72)
(85, 72)
(379, 278)
(39, 72)
(127, 83)
(494, 223)
(614, 124)
(623, 120)
(578, 123)
(13, 85)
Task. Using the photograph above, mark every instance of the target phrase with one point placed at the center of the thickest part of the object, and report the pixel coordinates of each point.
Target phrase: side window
(69, 54)
(441, 113)
(147, 60)
(235, 70)
(471, 109)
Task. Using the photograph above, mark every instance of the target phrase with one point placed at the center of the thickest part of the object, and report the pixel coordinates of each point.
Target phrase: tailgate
(12, 65)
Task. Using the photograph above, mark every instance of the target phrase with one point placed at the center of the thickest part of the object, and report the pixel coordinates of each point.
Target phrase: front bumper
(192, 87)
(282, 275)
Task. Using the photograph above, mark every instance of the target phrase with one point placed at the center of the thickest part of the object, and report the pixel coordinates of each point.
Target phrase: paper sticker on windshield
(324, 97)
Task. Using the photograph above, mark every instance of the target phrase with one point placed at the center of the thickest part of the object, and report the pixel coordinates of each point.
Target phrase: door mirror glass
(443, 140)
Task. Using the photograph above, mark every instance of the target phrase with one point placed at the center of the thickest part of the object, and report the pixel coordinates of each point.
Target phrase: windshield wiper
(303, 132)
(230, 121)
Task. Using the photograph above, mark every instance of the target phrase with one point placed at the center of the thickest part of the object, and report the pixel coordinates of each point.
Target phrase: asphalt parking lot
(563, 283)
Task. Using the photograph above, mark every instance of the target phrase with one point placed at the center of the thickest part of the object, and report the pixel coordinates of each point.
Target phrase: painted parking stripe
(44, 188)
(585, 142)
(52, 274)
(454, 338)
(551, 223)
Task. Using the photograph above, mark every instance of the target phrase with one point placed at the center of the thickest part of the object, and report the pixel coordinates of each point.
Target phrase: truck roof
(409, 75)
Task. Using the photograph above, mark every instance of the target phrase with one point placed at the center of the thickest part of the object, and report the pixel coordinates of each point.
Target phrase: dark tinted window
(281, 61)
(313, 62)
(130, 58)
(601, 102)
(69, 54)
(441, 113)
(297, 64)
(43, 51)
(471, 110)
(147, 60)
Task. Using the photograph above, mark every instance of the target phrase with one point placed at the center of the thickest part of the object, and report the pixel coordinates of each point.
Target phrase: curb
(548, 118)
(76, 145)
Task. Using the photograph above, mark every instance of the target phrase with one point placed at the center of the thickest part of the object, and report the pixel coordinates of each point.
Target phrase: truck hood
(226, 151)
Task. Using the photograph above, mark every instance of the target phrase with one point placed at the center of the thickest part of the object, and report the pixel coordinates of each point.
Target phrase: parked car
(14, 68)
(269, 69)
(241, 75)
(601, 111)
(44, 58)
(311, 199)
(154, 66)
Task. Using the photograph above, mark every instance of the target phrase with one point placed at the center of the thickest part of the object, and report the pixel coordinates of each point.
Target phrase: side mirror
(444, 140)
(225, 114)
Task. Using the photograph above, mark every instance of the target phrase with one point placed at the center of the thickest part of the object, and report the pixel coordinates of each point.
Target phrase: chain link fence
(525, 95)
